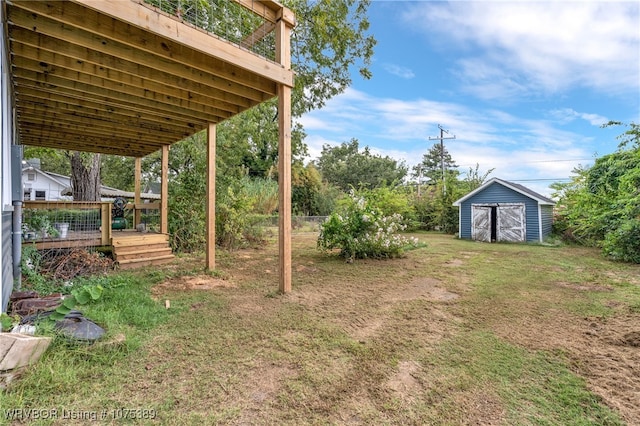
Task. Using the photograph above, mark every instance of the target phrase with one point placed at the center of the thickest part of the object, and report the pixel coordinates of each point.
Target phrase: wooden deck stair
(134, 251)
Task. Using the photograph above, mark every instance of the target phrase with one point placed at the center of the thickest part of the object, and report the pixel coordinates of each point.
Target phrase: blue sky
(524, 86)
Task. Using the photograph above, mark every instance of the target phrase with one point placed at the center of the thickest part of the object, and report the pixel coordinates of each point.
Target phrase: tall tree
(345, 166)
(85, 176)
(51, 160)
(433, 163)
(330, 38)
(117, 171)
(248, 143)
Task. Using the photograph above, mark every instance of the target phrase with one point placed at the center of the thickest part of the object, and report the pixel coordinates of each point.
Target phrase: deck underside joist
(123, 78)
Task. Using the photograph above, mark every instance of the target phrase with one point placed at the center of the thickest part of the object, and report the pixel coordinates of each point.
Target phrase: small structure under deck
(131, 248)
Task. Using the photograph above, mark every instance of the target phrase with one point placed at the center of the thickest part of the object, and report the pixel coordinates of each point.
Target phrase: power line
(539, 180)
(540, 161)
(557, 161)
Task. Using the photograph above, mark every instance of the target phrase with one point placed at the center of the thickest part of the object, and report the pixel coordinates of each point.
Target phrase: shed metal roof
(541, 199)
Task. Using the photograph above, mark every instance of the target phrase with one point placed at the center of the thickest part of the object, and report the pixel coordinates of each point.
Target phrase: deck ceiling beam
(142, 131)
(78, 128)
(74, 90)
(46, 94)
(86, 84)
(49, 63)
(102, 147)
(147, 70)
(88, 114)
(98, 32)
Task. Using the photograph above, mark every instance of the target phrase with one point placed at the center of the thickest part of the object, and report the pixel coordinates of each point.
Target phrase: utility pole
(442, 138)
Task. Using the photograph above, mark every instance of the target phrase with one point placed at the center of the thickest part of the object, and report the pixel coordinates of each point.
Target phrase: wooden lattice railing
(64, 224)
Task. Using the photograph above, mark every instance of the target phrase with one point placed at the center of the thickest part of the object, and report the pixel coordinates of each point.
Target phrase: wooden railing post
(105, 227)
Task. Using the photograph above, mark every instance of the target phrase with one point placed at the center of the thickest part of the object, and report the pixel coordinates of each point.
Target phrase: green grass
(536, 388)
(361, 343)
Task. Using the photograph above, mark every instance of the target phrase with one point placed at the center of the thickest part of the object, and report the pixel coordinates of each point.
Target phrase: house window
(31, 176)
(41, 195)
(27, 194)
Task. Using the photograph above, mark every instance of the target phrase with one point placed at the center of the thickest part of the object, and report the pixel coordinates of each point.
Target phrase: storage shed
(504, 211)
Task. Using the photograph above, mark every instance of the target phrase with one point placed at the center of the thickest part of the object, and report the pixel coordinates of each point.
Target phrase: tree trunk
(85, 177)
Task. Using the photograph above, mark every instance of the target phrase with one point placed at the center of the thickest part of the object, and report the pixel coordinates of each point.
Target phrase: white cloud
(539, 48)
(399, 71)
(567, 115)
(517, 147)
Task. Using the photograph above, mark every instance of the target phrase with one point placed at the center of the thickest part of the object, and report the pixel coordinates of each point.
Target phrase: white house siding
(36, 182)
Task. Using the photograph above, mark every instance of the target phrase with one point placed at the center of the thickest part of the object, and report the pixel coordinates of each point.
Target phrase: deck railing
(241, 22)
(67, 224)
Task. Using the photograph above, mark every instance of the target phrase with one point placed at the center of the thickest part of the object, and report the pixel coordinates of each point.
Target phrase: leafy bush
(434, 209)
(624, 243)
(361, 230)
(187, 218)
(601, 205)
(391, 201)
(235, 224)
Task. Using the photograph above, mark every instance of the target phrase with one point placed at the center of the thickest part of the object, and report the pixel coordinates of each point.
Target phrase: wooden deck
(127, 78)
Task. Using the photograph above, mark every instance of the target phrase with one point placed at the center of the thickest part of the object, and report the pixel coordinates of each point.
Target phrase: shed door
(511, 223)
(481, 223)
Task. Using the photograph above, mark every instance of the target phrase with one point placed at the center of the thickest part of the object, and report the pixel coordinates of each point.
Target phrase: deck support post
(211, 198)
(136, 199)
(164, 191)
(283, 56)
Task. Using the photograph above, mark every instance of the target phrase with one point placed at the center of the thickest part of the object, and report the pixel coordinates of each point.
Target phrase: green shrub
(236, 225)
(360, 231)
(624, 243)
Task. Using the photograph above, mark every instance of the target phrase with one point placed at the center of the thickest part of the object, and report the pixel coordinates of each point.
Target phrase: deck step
(147, 261)
(138, 250)
(139, 240)
(125, 250)
(141, 253)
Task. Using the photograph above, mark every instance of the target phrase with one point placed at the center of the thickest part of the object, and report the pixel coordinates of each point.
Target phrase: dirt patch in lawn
(426, 309)
(404, 382)
(198, 282)
(366, 343)
(602, 350)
